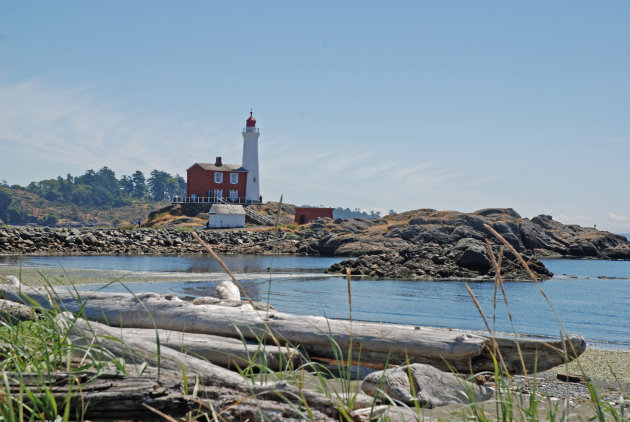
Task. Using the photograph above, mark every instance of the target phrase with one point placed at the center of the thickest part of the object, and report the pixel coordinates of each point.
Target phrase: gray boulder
(474, 255)
(431, 387)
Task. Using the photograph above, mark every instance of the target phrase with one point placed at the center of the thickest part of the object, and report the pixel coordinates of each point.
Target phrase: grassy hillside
(37, 208)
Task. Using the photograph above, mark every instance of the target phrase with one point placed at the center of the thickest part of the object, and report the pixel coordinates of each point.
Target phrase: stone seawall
(49, 241)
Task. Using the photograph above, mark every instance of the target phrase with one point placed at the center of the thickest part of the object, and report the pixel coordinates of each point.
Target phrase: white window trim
(218, 177)
(234, 194)
(234, 178)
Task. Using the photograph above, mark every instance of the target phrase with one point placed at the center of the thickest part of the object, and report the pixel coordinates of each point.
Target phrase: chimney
(218, 162)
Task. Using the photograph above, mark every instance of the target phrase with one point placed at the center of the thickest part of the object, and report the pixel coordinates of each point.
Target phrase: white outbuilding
(226, 216)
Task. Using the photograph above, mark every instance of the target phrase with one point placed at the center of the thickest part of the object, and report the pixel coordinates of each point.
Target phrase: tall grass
(31, 352)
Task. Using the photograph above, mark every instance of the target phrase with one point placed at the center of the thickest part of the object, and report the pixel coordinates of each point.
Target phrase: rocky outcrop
(468, 260)
(430, 244)
(541, 236)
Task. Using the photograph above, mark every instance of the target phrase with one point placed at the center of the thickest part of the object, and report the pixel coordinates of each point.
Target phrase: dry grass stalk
(218, 259)
(483, 315)
(160, 413)
(497, 273)
(348, 276)
(533, 276)
(511, 248)
(499, 282)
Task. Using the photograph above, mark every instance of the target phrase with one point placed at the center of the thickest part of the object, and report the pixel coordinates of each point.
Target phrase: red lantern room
(250, 122)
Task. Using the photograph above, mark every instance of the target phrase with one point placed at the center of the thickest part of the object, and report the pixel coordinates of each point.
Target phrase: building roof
(227, 209)
(251, 122)
(214, 167)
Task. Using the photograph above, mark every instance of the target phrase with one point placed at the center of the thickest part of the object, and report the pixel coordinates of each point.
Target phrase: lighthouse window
(218, 177)
(254, 179)
(233, 178)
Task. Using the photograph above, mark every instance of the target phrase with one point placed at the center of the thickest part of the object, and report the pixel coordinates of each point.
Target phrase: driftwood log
(103, 342)
(114, 396)
(12, 312)
(371, 342)
(224, 351)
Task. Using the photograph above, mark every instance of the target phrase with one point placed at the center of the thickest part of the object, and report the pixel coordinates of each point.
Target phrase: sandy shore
(600, 364)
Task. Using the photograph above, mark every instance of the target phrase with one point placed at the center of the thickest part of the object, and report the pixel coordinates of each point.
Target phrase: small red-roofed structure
(251, 122)
(305, 215)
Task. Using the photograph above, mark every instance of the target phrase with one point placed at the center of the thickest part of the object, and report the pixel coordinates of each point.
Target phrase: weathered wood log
(377, 342)
(371, 342)
(209, 300)
(549, 353)
(100, 340)
(224, 351)
(103, 342)
(12, 312)
(113, 396)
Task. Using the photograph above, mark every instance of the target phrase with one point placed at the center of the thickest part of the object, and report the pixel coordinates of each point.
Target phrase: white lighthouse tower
(250, 159)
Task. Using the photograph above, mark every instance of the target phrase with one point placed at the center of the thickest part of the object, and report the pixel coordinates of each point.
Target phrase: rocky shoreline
(421, 244)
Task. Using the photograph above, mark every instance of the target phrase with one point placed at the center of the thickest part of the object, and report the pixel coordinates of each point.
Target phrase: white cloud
(66, 129)
(619, 218)
(610, 222)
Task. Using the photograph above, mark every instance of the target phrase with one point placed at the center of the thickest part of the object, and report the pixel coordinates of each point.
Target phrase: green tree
(102, 197)
(50, 189)
(82, 195)
(66, 187)
(107, 179)
(6, 197)
(159, 185)
(126, 186)
(50, 220)
(139, 185)
(181, 185)
(16, 215)
(104, 189)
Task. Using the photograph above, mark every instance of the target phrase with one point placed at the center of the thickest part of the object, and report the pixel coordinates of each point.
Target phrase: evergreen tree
(5, 201)
(126, 186)
(158, 185)
(139, 185)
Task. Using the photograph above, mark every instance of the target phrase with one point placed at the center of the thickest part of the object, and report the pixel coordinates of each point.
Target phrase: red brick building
(209, 182)
(304, 215)
(236, 183)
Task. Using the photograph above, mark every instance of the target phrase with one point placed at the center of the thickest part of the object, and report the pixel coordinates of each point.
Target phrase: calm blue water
(596, 308)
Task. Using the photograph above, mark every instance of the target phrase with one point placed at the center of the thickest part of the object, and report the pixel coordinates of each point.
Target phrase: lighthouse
(250, 158)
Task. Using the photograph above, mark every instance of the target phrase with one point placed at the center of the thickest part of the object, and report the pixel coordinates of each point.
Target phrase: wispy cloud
(611, 222)
(619, 218)
(65, 128)
(574, 219)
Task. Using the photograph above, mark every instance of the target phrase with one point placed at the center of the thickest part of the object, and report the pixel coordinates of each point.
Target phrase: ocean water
(590, 297)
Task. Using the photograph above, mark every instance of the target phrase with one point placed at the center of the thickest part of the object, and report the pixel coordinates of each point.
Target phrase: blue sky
(377, 105)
